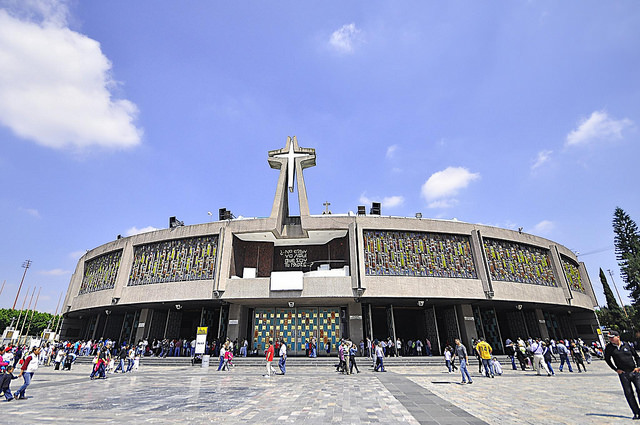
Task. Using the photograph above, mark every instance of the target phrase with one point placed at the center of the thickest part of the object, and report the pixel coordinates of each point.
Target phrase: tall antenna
(26, 266)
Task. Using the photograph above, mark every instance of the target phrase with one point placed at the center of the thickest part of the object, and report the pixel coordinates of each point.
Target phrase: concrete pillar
(391, 321)
(542, 324)
(144, 324)
(466, 323)
(235, 318)
(558, 271)
(482, 268)
(356, 331)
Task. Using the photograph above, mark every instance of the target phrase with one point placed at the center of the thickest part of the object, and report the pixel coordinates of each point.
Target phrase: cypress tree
(627, 243)
(612, 304)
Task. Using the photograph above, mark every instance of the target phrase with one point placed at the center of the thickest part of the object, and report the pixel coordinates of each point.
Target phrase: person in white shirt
(283, 357)
(379, 358)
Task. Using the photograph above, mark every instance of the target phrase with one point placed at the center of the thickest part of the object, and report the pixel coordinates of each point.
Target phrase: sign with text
(201, 339)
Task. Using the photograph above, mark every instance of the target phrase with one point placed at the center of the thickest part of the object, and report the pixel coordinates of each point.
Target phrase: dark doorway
(447, 326)
(410, 323)
(189, 323)
(379, 321)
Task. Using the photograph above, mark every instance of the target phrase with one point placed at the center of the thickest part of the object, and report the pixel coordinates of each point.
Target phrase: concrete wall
(333, 290)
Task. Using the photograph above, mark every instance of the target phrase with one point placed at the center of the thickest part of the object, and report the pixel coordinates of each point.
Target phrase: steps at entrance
(303, 361)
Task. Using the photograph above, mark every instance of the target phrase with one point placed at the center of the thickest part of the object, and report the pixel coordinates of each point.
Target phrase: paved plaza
(405, 394)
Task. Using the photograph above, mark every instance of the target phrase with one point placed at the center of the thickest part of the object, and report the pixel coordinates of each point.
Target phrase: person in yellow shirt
(485, 350)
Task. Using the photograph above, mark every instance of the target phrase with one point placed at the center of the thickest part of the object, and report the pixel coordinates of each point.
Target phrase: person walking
(510, 351)
(268, 353)
(222, 352)
(379, 358)
(283, 357)
(547, 353)
(29, 367)
(461, 352)
(578, 356)
(353, 350)
(484, 350)
(563, 352)
(537, 349)
(122, 356)
(624, 360)
(447, 358)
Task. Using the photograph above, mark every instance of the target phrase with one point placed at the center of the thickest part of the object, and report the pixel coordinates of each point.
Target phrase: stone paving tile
(426, 407)
(196, 395)
(317, 395)
(518, 397)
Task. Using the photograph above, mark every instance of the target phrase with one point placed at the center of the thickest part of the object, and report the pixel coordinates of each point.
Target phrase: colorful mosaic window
(515, 262)
(297, 327)
(418, 254)
(572, 273)
(174, 261)
(100, 273)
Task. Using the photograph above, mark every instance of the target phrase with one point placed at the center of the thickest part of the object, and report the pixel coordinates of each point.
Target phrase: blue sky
(116, 115)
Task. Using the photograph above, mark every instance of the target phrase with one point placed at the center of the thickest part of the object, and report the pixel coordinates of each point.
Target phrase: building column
(144, 324)
(542, 324)
(235, 319)
(466, 323)
(356, 331)
(391, 324)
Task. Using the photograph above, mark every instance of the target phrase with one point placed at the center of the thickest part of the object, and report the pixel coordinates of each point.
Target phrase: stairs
(303, 361)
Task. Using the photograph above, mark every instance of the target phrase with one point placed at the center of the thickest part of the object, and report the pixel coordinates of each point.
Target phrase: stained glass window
(516, 262)
(395, 253)
(100, 272)
(173, 261)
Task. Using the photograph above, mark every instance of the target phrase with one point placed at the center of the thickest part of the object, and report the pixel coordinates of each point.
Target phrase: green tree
(35, 322)
(627, 243)
(613, 320)
(612, 304)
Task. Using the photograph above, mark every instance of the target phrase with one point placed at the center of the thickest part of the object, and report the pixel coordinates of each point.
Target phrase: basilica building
(329, 276)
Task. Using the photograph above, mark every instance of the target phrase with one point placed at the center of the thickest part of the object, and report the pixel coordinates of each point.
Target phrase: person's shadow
(608, 416)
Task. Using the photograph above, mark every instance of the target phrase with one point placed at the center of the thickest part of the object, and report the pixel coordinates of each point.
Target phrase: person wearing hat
(622, 358)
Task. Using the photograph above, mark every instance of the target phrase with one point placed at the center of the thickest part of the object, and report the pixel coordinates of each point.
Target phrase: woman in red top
(269, 357)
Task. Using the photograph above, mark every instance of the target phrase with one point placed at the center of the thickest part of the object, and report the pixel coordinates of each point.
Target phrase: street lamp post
(616, 286)
(26, 266)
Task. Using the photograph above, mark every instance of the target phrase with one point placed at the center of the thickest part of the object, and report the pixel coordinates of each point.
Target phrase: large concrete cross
(291, 161)
(291, 155)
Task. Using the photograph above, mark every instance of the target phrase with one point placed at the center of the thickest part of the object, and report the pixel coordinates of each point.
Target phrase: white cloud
(31, 211)
(442, 187)
(75, 255)
(56, 84)
(599, 126)
(392, 201)
(386, 202)
(344, 39)
(545, 227)
(135, 231)
(391, 150)
(443, 203)
(543, 156)
(54, 272)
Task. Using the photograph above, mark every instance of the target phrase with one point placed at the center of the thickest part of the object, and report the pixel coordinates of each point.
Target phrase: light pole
(26, 266)
(616, 286)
